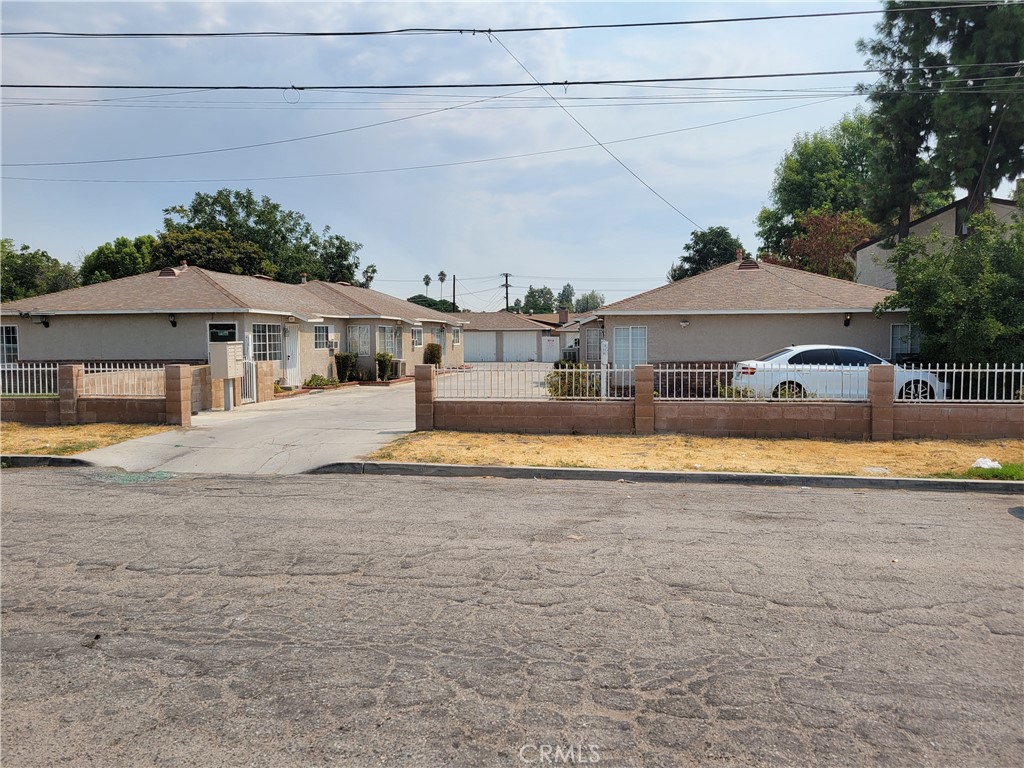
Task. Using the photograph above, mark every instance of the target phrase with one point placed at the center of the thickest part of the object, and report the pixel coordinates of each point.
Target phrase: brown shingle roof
(766, 288)
(499, 321)
(195, 289)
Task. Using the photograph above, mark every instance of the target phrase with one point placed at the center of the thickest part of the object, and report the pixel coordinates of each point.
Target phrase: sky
(599, 186)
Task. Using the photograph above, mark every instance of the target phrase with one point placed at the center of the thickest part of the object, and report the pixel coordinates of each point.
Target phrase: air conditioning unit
(332, 344)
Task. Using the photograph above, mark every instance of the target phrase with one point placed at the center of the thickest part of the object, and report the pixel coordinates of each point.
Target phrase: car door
(817, 372)
(854, 366)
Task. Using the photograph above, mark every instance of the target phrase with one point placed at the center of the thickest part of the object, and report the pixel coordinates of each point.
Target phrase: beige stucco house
(872, 256)
(741, 311)
(173, 315)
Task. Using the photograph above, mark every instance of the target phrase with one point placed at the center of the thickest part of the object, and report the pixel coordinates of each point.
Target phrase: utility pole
(506, 286)
(454, 308)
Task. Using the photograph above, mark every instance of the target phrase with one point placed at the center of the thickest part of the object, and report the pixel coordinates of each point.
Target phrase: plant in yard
(345, 365)
(731, 392)
(316, 380)
(383, 360)
(432, 354)
(575, 380)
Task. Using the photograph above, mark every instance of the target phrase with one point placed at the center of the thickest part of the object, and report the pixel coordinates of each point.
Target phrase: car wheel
(788, 390)
(917, 390)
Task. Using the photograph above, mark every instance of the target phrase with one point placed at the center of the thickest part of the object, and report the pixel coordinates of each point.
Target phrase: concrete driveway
(280, 437)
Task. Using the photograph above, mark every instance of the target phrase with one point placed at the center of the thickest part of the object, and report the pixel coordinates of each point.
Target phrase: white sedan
(825, 372)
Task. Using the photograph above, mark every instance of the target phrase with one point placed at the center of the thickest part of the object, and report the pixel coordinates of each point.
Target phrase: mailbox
(226, 360)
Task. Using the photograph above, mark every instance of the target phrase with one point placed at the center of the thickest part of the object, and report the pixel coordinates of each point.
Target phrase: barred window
(417, 337)
(456, 336)
(389, 339)
(321, 337)
(359, 339)
(10, 344)
(266, 341)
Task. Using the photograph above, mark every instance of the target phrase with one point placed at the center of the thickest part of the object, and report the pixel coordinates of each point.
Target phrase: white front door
(549, 349)
(292, 377)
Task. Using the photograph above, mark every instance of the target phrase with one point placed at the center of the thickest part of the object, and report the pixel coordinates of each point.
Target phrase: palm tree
(442, 276)
(426, 283)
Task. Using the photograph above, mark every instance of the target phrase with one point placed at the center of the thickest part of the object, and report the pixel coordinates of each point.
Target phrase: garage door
(519, 346)
(480, 346)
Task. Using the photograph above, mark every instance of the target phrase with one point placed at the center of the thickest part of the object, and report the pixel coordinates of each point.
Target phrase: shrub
(575, 380)
(733, 392)
(345, 364)
(432, 354)
(383, 365)
(565, 363)
(316, 380)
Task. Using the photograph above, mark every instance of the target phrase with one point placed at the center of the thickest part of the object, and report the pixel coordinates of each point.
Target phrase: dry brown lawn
(917, 458)
(61, 441)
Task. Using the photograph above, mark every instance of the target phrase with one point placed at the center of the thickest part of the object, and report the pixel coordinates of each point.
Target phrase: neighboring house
(173, 315)
(744, 310)
(872, 256)
(504, 337)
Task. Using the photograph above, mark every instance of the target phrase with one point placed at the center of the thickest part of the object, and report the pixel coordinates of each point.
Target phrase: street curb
(650, 476)
(18, 460)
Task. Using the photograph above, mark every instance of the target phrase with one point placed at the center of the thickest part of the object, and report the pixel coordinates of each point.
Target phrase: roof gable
(755, 287)
(501, 321)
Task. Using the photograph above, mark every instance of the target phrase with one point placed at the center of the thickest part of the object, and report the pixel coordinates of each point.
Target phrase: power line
(466, 86)
(428, 166)
(461, 30)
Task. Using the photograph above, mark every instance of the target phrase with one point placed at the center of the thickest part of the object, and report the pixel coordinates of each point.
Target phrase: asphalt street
(198, 620)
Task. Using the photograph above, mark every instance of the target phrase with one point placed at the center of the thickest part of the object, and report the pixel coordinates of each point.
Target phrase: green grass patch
(1005, 472)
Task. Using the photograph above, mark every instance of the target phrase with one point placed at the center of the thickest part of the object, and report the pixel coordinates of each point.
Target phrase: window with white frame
(438, 336)
(223, 331)
(456, 336)
(593, 342)
(905, 341)
(389, 339)
(266, 341)
(10, 344)
(630, 346)
(322, 336)
(417, 337)
(359, 339)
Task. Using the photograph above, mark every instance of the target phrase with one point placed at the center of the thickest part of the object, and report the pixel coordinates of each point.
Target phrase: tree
(824, 168)
(369, 273)
(589, 301)
(25, 272)
(217, 251)
(441, 305)
(517, 307)
(565, 296)
(441, 277)
(539, 301)
(286, 238)
(706, 250)
(825, 243)
(427, 280)
(964, 295)
(121, 258)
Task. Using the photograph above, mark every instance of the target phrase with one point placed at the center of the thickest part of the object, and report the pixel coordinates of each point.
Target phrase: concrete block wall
(31, 410)
(265, 374)
(880, 418)
(202, 388)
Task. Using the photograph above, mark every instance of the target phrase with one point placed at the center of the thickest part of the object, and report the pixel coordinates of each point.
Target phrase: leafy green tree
(517, 307)
(122, 258)
(964, 295)
(25, 272)
(707, 249)
(539, 301)
(217, 251)
(589, 301)
(565, 296)
(286, 237)
(441, 305)
(825, 243)
(369, 272)
(824, 168)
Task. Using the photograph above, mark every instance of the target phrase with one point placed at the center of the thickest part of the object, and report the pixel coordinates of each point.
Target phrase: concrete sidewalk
(288, 436)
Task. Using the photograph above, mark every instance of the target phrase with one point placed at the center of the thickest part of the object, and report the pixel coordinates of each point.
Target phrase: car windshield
(776, 353)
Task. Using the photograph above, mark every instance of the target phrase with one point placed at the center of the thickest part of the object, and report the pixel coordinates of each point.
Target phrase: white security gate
(519, 346)
(249, 381)
(292, 377)
(480, 346)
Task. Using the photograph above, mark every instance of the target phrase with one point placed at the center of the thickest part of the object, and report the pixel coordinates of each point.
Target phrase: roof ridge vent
(748, 264)
(169, 272)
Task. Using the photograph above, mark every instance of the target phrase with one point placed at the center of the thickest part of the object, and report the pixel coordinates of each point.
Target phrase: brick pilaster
(178, 383)
(881, 395)
(426, 389)
(69, 385)
(643, 400)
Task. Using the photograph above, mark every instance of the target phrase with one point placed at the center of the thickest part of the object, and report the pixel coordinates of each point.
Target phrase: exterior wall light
(846, 320)
(172, 320)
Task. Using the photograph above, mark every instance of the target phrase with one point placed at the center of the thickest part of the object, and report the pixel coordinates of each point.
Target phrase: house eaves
(811, 311)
